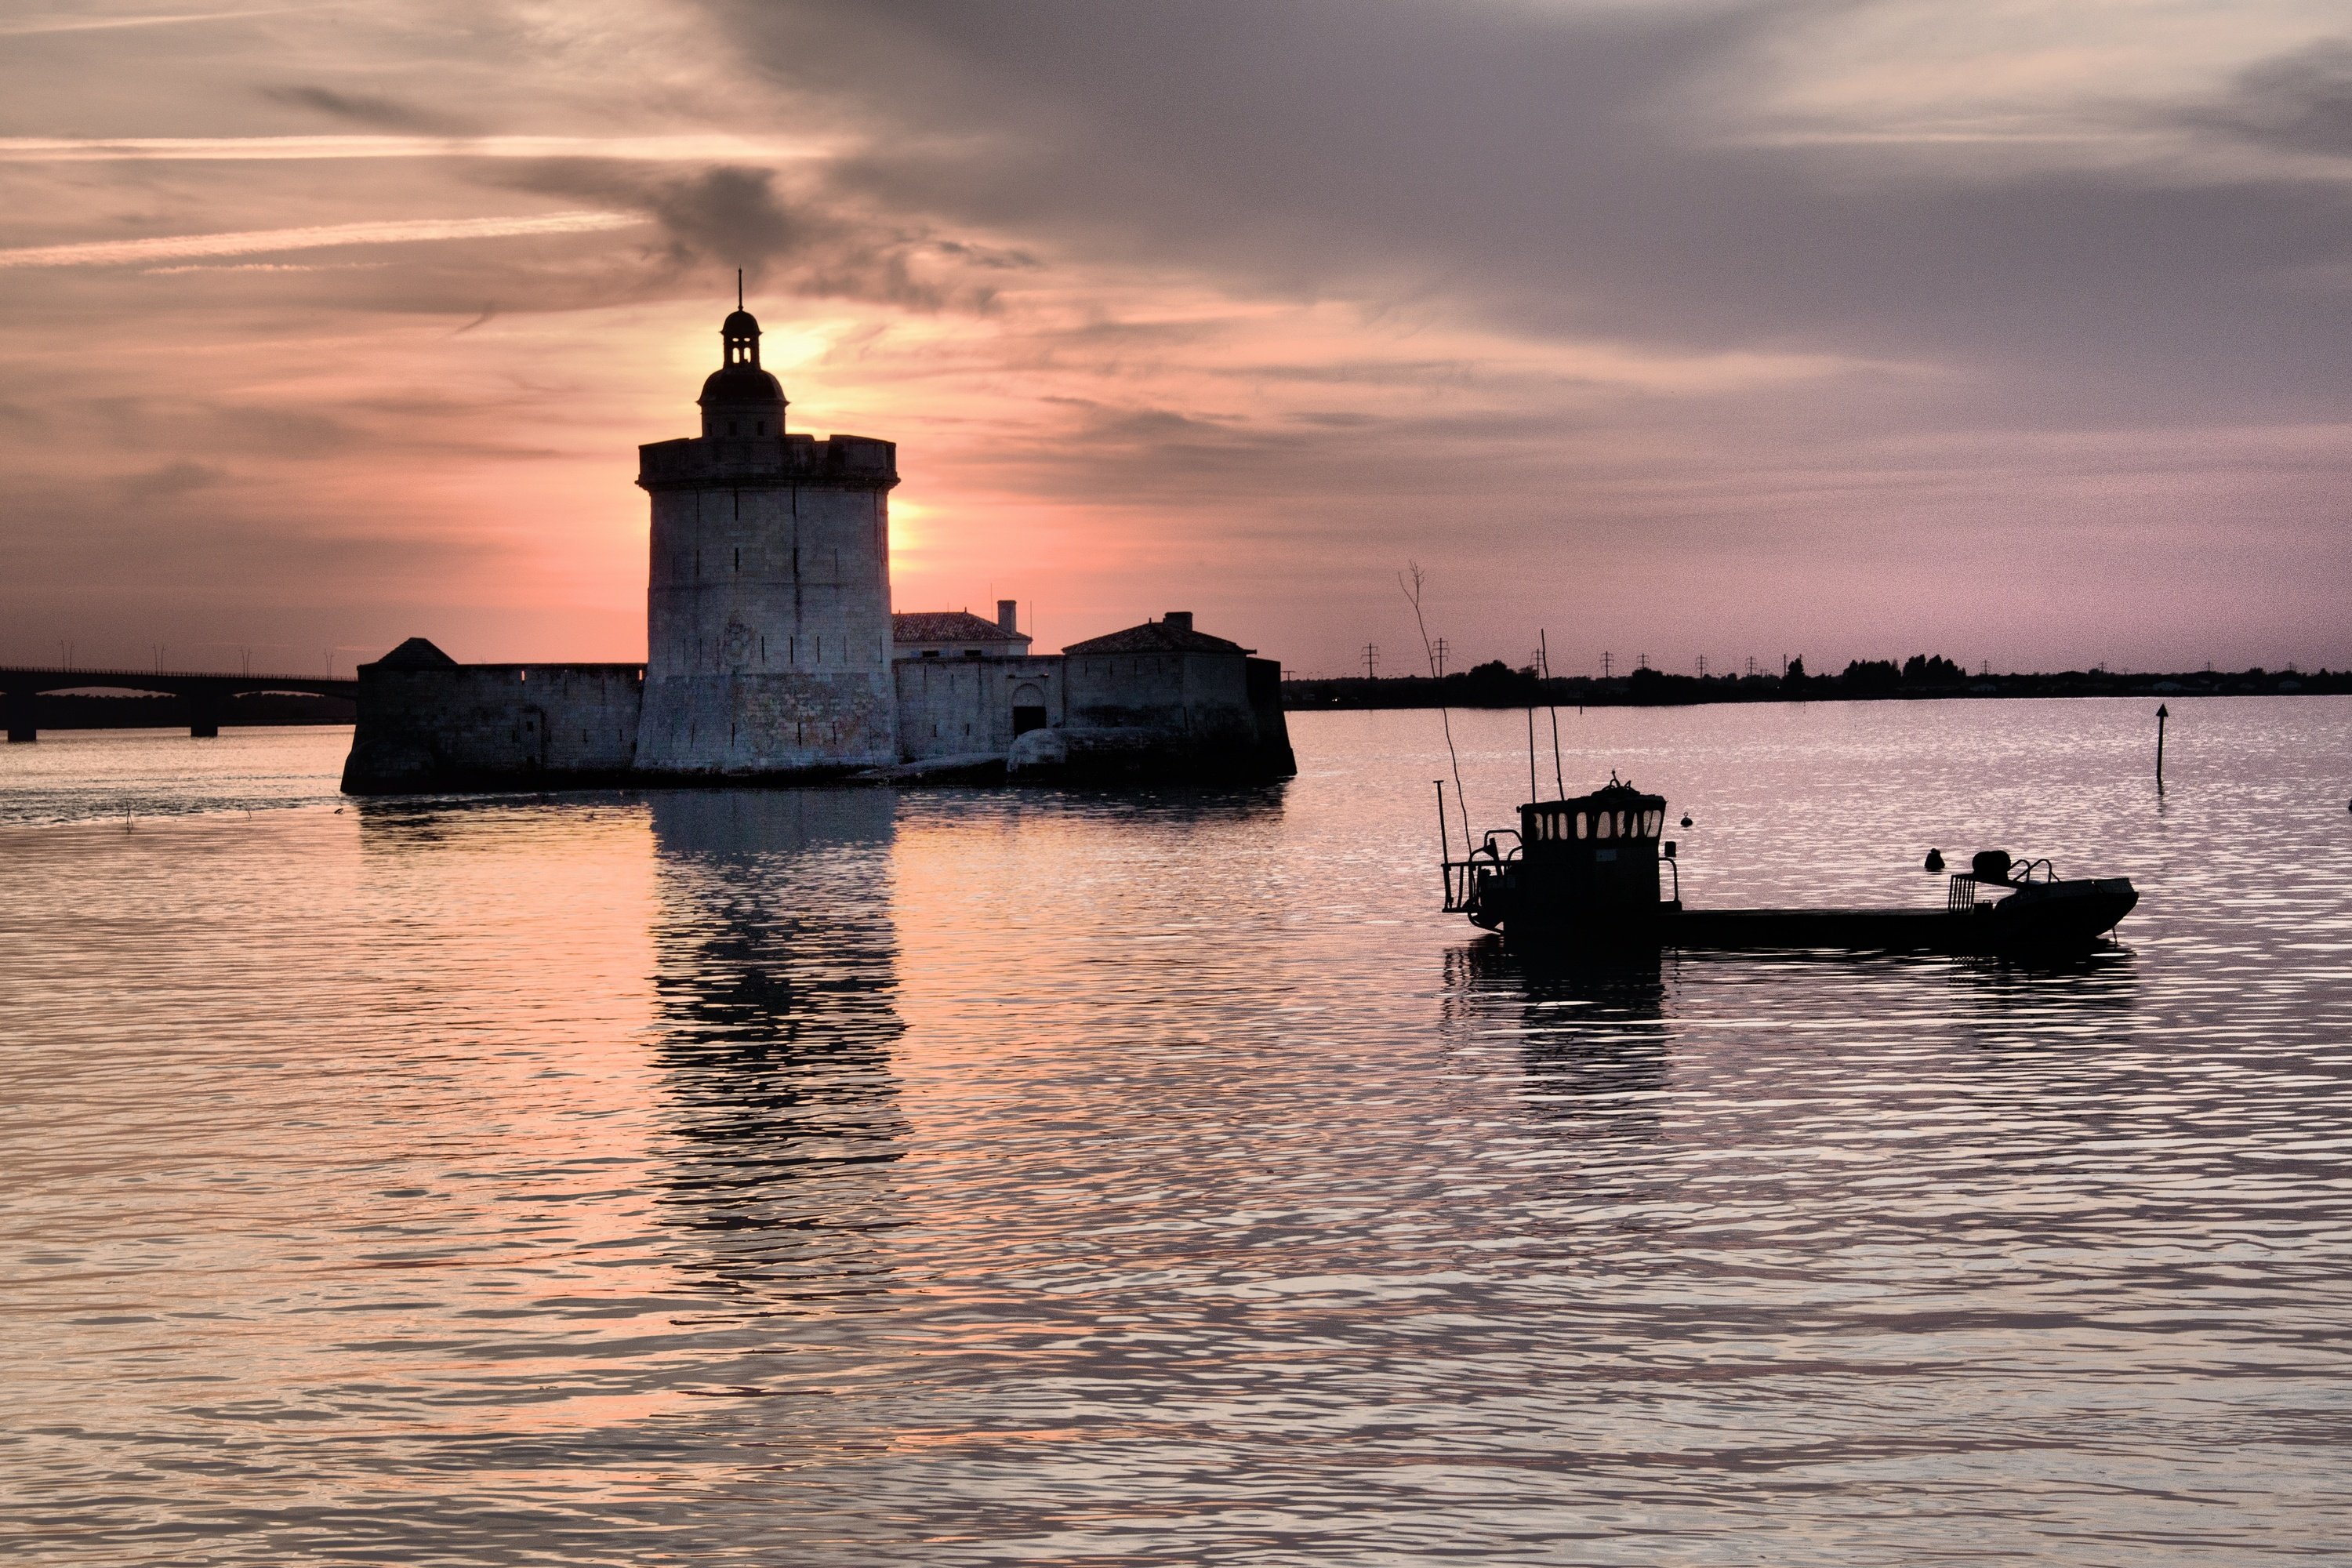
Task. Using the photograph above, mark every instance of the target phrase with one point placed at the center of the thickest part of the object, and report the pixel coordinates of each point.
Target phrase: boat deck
(1914, 929)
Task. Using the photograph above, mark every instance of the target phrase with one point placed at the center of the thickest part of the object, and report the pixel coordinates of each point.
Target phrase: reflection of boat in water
(1591, 867)
(1586, 1025)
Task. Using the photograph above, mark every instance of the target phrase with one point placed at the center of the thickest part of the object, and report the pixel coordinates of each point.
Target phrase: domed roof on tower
(739, 383)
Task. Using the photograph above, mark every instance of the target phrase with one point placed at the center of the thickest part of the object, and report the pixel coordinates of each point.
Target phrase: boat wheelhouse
(1570, 863)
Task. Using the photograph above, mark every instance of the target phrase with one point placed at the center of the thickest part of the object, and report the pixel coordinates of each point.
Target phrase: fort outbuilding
(772, 654)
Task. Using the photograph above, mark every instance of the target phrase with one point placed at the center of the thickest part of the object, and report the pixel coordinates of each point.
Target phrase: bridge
(207, 693)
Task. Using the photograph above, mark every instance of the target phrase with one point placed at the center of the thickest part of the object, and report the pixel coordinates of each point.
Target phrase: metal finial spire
(738, 288)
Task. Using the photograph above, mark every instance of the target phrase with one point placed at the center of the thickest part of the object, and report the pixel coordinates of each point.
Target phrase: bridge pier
(203, 715)
(19, 709)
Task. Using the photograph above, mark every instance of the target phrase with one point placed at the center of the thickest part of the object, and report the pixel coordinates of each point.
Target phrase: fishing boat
(1598, 868)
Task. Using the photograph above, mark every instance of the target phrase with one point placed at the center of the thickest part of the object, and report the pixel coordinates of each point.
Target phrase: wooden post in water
(2161, 715)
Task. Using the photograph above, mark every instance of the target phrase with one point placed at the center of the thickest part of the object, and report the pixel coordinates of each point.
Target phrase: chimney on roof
(1180, 620)
(1008, 614)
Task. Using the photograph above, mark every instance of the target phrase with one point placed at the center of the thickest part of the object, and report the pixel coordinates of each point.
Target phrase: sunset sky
(1839, 328)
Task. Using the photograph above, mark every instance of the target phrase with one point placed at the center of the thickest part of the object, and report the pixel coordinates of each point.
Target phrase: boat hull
(2046, 917)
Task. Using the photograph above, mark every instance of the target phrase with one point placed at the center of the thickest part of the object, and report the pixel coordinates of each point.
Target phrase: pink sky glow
(1673, 330)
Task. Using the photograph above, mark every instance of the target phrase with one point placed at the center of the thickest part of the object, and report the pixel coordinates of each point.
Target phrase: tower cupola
(739, 336)
(741, 401)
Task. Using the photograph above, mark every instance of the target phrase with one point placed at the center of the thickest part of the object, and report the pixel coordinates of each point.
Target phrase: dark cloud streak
(726, 216)
(1552, 172)
(377, 113)
(2300, 101)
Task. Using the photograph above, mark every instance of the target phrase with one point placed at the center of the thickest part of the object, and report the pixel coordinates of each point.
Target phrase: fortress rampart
(428, 722)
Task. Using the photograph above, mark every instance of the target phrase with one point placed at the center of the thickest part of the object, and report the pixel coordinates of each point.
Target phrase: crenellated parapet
(710, 462)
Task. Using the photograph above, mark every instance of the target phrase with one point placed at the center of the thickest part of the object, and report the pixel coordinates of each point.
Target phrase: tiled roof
(417, 653)
(1155, 637)
(948, 625)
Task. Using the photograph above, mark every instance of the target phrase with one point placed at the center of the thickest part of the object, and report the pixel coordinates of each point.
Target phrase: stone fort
(772, 654)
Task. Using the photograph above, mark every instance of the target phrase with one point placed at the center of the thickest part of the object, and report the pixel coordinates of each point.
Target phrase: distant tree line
(1498, 685)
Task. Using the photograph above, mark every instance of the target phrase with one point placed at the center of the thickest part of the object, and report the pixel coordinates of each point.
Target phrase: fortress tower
(768, 640)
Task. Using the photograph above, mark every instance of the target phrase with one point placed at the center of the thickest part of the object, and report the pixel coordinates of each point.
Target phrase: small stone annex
(773, 656)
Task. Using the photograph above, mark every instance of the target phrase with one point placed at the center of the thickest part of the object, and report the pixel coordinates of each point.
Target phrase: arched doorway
(1028, 708)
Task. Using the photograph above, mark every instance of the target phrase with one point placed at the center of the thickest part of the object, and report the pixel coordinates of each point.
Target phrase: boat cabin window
(1604, 825)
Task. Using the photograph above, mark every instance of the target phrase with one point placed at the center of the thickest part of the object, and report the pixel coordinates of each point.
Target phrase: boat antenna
(1533, 793)
(1444, 834)
(1411, 581)
(1543, 658)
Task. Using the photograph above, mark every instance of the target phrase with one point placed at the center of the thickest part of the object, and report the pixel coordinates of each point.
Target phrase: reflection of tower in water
(1590, 1030)
(775, 972)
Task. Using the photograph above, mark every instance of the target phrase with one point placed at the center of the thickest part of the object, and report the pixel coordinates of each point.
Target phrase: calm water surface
(965, 1177)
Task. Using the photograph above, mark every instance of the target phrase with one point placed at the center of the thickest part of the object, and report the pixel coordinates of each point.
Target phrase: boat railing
(1463, 877)
(2023, 873)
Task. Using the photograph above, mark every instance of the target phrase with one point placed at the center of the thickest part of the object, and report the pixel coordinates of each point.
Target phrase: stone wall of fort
(493, 726)
(970, 706)
(1175, 715)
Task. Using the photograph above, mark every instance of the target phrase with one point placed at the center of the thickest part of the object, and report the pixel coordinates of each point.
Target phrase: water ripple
(974, 1178)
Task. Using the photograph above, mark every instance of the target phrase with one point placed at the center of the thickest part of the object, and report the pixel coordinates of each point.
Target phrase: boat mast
(1543, 658)
(1534, 794)
(1410, 580)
